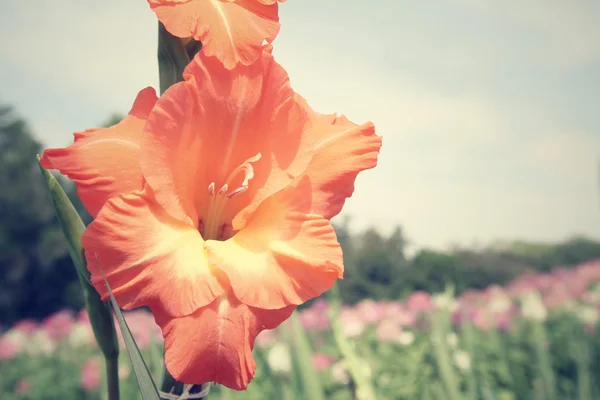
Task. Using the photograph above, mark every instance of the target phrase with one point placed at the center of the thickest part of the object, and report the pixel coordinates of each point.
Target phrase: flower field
(536, 338)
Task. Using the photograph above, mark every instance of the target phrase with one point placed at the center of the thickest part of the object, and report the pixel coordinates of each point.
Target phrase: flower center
(212, 226)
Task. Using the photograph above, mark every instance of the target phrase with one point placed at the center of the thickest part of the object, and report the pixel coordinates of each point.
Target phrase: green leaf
(311, 384)
(100, 316)
(142, 374)
(71, 224)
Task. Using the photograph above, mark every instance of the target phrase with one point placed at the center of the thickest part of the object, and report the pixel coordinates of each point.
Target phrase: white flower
(500, 303)
(591, 297)
(81, 335)
(445, 301)
(406, 338)
(40, 343)
(279, 358)
(339, 373)
(462, 360)
(533, 308)
(588, 315)
(124, 372)
(352, 325)
(16, 338)
(452, 339)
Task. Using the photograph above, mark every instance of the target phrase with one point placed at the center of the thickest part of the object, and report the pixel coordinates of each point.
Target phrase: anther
(211, 189)
(224, 189)
(237, 191)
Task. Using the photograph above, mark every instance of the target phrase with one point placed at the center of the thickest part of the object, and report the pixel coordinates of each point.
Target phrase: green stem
(439, 321)
(112, 377)
(469, 335)
(544, 360)
(168, 382)
(581, 351)
(362, 388)
(173, 57)
(501, 349)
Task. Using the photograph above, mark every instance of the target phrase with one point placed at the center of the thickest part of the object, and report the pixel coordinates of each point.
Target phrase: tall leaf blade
(364, 388)
(142, 374)
(311, 383)
(70, 223)
(100, 316)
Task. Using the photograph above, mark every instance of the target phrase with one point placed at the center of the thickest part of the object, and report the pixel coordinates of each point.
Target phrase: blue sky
(490, 111)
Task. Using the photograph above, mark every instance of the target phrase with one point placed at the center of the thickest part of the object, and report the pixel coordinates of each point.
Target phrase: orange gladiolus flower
(221, 222)
(105, 162)
(231, 30)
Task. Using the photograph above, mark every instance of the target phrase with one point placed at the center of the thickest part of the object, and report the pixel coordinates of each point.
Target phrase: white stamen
(213, 223)
(239, 190)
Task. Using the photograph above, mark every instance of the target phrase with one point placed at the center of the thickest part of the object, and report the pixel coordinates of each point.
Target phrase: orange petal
(285, 255)
(203, 128)
(343, 149)
(214, 344)
(232, 31)
(105, 162)
(149, 258)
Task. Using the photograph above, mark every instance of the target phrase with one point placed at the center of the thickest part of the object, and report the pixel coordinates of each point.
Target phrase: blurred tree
(35, 270)
(374, 266)
(430, 271)
(113, 119)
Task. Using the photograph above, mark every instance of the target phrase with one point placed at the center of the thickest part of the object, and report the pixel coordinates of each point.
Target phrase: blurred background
(487, 185)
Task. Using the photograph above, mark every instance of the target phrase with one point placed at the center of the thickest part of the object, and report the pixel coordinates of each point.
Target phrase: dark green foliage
(377, 268)
(36, 274)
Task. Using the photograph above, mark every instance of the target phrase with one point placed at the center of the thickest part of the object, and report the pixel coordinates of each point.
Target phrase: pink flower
(59, 325)
(320, 305)
(314, 320)
(458, 317)
(9, 347)
(557, 296)
(589, 271)
(369, 311)
(321, 361)
(352, 325)
(143, 328)
(420, 302)
(83, 316)
(504, 320)
(480, 319)
(140, 327)
(23, 386)
(265, 338)
(388, 331)
(91, 374)
(399, 313)
(519, 288)
(26, 326)
(392, 308)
